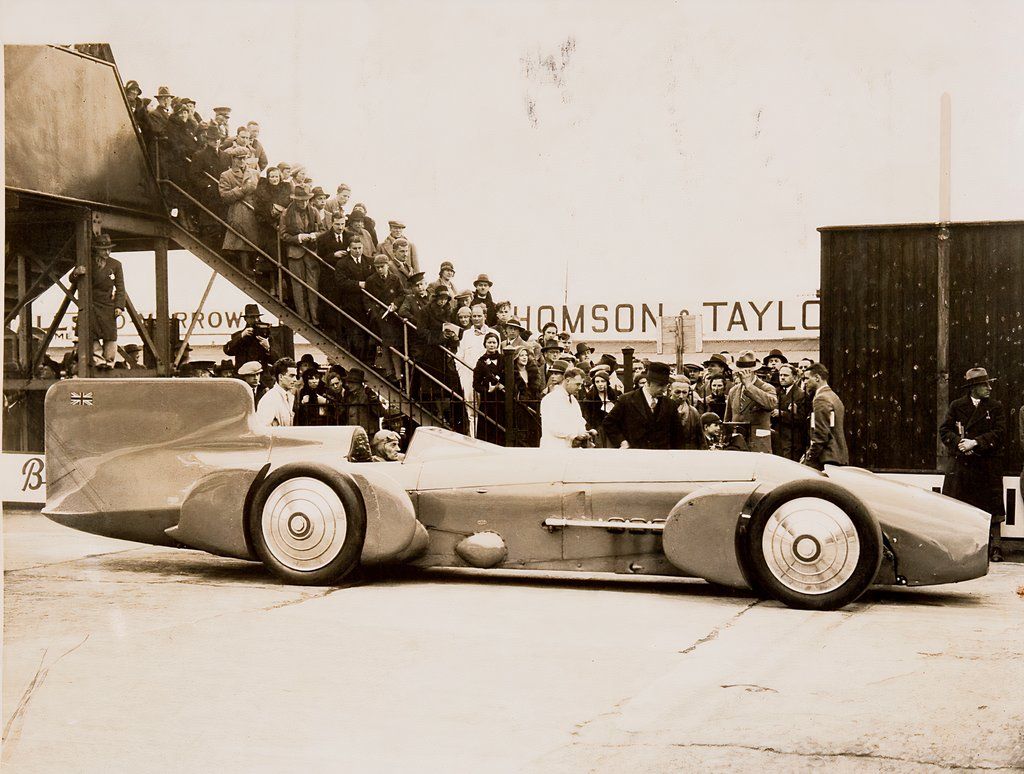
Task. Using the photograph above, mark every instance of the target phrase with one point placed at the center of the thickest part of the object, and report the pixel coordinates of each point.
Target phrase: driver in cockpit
(385, 446)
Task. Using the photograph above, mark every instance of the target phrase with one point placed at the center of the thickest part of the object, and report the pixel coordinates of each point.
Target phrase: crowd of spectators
(445, 346)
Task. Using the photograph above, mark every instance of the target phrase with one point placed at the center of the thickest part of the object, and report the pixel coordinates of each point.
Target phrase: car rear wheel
(307, 524)
(812, 545)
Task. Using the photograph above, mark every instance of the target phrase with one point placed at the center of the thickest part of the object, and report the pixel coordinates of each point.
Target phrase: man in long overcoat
(105, 303)
(974, 431)
(646, 418)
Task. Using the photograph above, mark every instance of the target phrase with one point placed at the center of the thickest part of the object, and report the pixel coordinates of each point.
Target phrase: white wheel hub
(303, 523)
(810, 545)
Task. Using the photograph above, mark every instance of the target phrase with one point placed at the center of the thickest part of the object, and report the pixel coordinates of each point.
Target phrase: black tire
(849, 579)
(295, 527)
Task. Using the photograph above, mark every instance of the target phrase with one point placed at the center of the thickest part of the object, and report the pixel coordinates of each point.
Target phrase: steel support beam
(162, 325)
(942, 345)
(83, 267)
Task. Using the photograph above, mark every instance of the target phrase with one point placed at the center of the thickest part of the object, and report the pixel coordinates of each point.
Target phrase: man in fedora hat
(160, 114)
(752, 400)
(827, 440)
(351, 273)
(106, 302)
(482, 295)
(298, 231)
(645, 418)
(974, 431)
(252, 343)
(716, 365)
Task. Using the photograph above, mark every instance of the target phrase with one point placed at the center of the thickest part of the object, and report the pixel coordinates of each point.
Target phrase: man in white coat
(561, 418)
(277, 406)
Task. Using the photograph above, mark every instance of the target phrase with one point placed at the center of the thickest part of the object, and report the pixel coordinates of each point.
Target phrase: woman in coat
(597, 401)
(237, 188)
(527, 390)
(273, 195)
(489, 385)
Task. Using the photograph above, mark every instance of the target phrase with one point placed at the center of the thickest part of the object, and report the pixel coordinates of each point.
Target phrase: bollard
(627, 369)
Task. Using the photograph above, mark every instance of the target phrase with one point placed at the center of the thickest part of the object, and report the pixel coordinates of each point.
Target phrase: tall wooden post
(162, 326)
(942, 343)
(942, 275)
(83, 267)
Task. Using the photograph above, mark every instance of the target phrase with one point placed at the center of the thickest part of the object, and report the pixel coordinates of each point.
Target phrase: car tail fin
(103, 437)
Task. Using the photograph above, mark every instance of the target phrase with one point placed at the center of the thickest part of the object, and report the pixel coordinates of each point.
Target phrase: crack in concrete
(713, 634)
(846, 754)
(26, 697)
(76, 559)
(306, 598)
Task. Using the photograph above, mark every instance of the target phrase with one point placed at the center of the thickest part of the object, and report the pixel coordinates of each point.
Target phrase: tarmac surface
(121, 657)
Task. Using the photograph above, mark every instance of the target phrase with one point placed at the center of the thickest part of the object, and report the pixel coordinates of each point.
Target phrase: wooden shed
(905, 311)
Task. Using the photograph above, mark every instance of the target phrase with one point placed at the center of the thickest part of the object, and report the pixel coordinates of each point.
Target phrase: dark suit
(246, 349)
(976, 477)
(326, 245)
(827, 436)
(347, 276)
(632, 420)
(791, 425)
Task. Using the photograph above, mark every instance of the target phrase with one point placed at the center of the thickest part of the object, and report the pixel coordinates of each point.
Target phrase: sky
(652, 152)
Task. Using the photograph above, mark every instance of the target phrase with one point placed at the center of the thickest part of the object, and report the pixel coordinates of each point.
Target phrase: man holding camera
(252, 343)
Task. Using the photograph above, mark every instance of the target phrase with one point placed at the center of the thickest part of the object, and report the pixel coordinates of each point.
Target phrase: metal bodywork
(177, 461)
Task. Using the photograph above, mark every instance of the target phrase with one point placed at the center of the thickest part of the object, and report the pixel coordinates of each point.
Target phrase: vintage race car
(182, 462)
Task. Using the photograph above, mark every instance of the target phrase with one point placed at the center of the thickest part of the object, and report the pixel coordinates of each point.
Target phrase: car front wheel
(307, 524)
(812, 545)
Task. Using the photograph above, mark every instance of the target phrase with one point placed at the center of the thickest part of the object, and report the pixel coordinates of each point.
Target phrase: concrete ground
(120, 657)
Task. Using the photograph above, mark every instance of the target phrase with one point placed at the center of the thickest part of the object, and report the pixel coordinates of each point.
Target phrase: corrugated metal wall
(879, 331)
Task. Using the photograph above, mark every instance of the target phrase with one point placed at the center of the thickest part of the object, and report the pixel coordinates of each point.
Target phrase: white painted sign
(23, 478)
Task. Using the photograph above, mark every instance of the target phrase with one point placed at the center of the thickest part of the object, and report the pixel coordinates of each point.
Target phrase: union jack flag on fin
(81, 399)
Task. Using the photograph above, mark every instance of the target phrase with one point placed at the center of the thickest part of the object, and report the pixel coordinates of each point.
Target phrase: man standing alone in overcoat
(974, 431)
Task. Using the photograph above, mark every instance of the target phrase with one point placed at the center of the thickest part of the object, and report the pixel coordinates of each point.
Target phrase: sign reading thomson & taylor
(721, 320)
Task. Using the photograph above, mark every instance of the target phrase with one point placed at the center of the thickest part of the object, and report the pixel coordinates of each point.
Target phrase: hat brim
(977, 381)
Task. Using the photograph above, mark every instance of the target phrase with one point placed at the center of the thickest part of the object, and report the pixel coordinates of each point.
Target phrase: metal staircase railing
(315, 335)
(395, 395)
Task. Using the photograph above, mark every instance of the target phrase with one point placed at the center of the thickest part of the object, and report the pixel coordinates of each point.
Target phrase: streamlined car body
(184, 463)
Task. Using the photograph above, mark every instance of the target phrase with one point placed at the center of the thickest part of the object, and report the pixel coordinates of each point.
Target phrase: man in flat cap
(252, 374)
(221, 118)
(645, 418)
(106, 302)
(752, 400)
(974, 431)
(397, 231)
